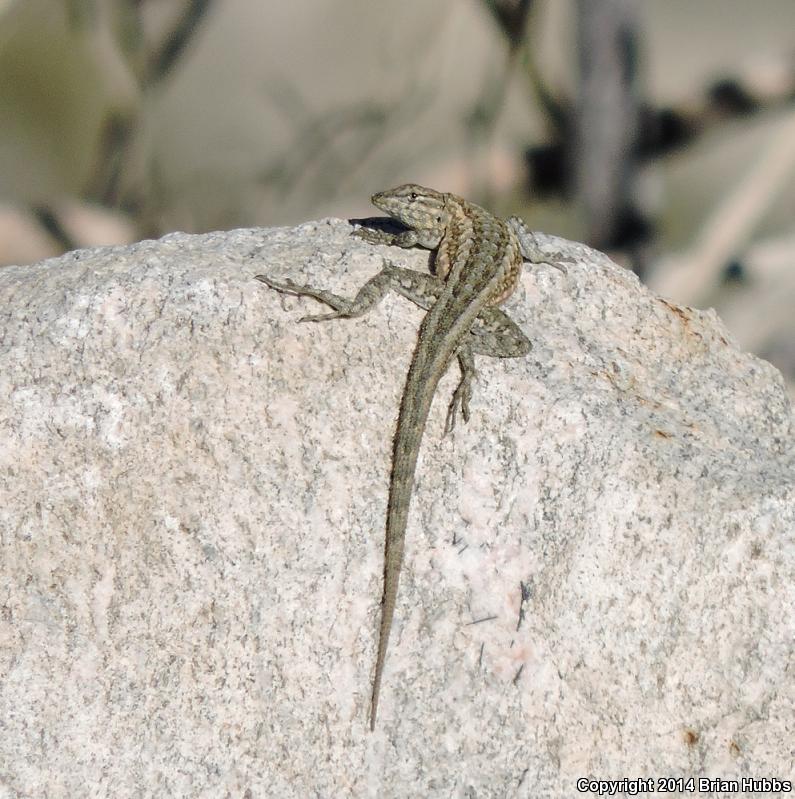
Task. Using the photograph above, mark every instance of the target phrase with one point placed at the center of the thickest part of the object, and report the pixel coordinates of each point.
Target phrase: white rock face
(599, 566)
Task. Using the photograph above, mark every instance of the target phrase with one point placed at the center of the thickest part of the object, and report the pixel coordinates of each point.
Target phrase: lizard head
(415, 206)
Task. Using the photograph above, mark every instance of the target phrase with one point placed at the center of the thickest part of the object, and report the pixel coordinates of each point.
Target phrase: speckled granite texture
(599, 566)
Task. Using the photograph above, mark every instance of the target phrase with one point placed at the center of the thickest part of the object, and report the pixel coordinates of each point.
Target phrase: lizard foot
(461, 397)
(340, 305)
(373, 236)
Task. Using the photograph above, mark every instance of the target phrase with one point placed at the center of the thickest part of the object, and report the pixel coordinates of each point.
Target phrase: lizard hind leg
(463, 391)
(368, 296)
(494, 334)
(421, 289)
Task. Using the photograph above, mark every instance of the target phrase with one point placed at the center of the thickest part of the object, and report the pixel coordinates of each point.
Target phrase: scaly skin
(479, 258)
(478, 264)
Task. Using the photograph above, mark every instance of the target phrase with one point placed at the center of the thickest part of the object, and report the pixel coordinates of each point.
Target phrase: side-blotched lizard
(477, 266)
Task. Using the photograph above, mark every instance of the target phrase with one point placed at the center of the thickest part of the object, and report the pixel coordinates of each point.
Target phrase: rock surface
(599, 566)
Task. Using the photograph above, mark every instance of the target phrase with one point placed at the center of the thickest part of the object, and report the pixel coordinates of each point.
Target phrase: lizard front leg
(406, 238)
(554, 251)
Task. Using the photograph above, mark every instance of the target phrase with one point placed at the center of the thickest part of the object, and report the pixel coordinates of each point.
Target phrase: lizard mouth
(378, 200)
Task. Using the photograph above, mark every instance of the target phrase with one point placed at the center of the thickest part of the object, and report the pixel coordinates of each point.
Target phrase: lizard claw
(461, 396)
(286, 287)
(323, 317)
(372, 236)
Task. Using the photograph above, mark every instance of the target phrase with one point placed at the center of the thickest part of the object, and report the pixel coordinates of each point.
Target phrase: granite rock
(599, 566)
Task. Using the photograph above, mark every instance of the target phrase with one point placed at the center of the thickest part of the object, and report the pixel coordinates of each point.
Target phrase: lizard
(478, 262)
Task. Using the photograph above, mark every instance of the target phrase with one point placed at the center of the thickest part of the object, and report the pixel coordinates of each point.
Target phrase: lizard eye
(413, 195)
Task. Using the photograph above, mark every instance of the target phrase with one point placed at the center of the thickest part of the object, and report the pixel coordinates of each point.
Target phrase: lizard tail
(440, 334)
(414, 409)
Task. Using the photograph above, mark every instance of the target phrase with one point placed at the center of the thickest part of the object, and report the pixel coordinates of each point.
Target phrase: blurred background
(660, 131)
